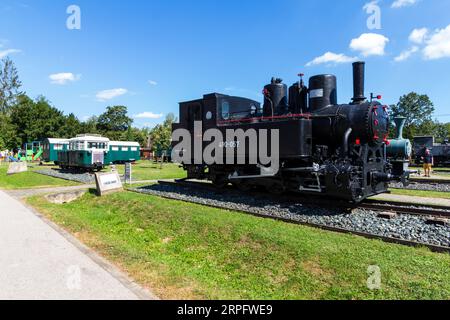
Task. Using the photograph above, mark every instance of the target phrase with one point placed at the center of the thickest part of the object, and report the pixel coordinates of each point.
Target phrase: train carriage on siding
(85, 152)
(440, 151)
(51, 147)
(122, 152)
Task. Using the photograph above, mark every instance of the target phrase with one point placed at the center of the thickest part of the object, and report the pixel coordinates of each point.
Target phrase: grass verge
(29, 179)
(188, 251)
(148, 170)
(421, 193)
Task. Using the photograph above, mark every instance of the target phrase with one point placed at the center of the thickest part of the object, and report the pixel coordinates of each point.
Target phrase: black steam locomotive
(325, 148)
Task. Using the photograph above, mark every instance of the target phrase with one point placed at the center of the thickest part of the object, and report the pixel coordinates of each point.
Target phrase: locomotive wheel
(220, 181)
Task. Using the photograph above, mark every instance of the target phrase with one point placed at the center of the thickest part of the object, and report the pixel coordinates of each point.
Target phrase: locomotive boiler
(323, 148)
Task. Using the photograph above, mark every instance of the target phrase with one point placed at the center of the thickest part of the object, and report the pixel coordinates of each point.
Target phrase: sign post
(128, 173)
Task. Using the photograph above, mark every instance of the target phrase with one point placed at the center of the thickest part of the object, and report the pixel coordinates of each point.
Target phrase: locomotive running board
(235, 177)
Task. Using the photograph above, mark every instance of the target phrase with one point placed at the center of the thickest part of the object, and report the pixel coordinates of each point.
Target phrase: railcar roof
(57, 141)
(124, 143)
(90, 139)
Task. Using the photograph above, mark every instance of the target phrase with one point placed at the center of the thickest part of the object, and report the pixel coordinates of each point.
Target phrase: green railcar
(122, 152)
(51, 147)
(85, 152)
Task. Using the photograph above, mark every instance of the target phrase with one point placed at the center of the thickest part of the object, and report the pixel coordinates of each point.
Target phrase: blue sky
(149, 55)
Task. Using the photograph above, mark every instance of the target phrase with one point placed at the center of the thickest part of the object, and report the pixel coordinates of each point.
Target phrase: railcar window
(234, 108)
(225, 110)
(134, 149)
(124, 149)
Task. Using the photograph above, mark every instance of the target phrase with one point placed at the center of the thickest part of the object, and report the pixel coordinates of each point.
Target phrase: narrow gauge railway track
(376, 205)
(381, 207)
(405, 208)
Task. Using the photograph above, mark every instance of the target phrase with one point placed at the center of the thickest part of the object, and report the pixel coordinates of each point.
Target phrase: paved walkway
(416, 200)
(25, 193)
(39, 261)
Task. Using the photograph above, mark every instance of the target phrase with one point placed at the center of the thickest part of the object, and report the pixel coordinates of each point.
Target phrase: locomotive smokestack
(358, 82)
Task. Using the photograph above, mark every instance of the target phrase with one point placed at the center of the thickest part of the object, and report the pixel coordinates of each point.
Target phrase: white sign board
(17, 167)
(107, 183)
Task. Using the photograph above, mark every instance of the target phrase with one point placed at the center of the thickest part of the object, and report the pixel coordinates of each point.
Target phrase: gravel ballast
(404, 227)
(440, 187)
(85, 178)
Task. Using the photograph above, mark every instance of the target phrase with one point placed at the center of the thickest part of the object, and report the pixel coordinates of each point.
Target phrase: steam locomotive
(325, 148)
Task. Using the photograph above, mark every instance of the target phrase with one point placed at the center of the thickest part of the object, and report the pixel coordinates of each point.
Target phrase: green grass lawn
(148, 170)
(421, 193)
(188, 251)
(28, 179)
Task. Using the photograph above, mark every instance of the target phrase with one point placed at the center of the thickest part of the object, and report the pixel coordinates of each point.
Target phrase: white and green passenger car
(123, 152)
(94, 152)
(51, 147)
(85, 152)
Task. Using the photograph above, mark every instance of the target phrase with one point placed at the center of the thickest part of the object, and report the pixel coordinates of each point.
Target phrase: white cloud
(406, 54)
(438, 45)
(148, 115)
(418, 35)
(403, 3)
(332, 58)
(369, 44)
(7, 52)
(110, 94)
(64, 78)
(152, 83)
(370, 4)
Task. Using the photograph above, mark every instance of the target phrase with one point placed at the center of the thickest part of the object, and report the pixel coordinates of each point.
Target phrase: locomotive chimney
(400, 125)
(358, 82)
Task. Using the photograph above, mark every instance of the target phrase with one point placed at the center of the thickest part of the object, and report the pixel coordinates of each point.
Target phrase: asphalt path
(38, 260)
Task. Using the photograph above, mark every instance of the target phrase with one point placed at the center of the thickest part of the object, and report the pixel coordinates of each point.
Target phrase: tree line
(23, 119)
(418, 109)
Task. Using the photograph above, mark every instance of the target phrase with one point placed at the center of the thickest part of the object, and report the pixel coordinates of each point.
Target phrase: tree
(161, 135)
(72, 127)
(8, 136)
(140, 136)
(418, 110)
(441, 131)
(36, 120)
(9, 85)
(90, 125)
(114, 122)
